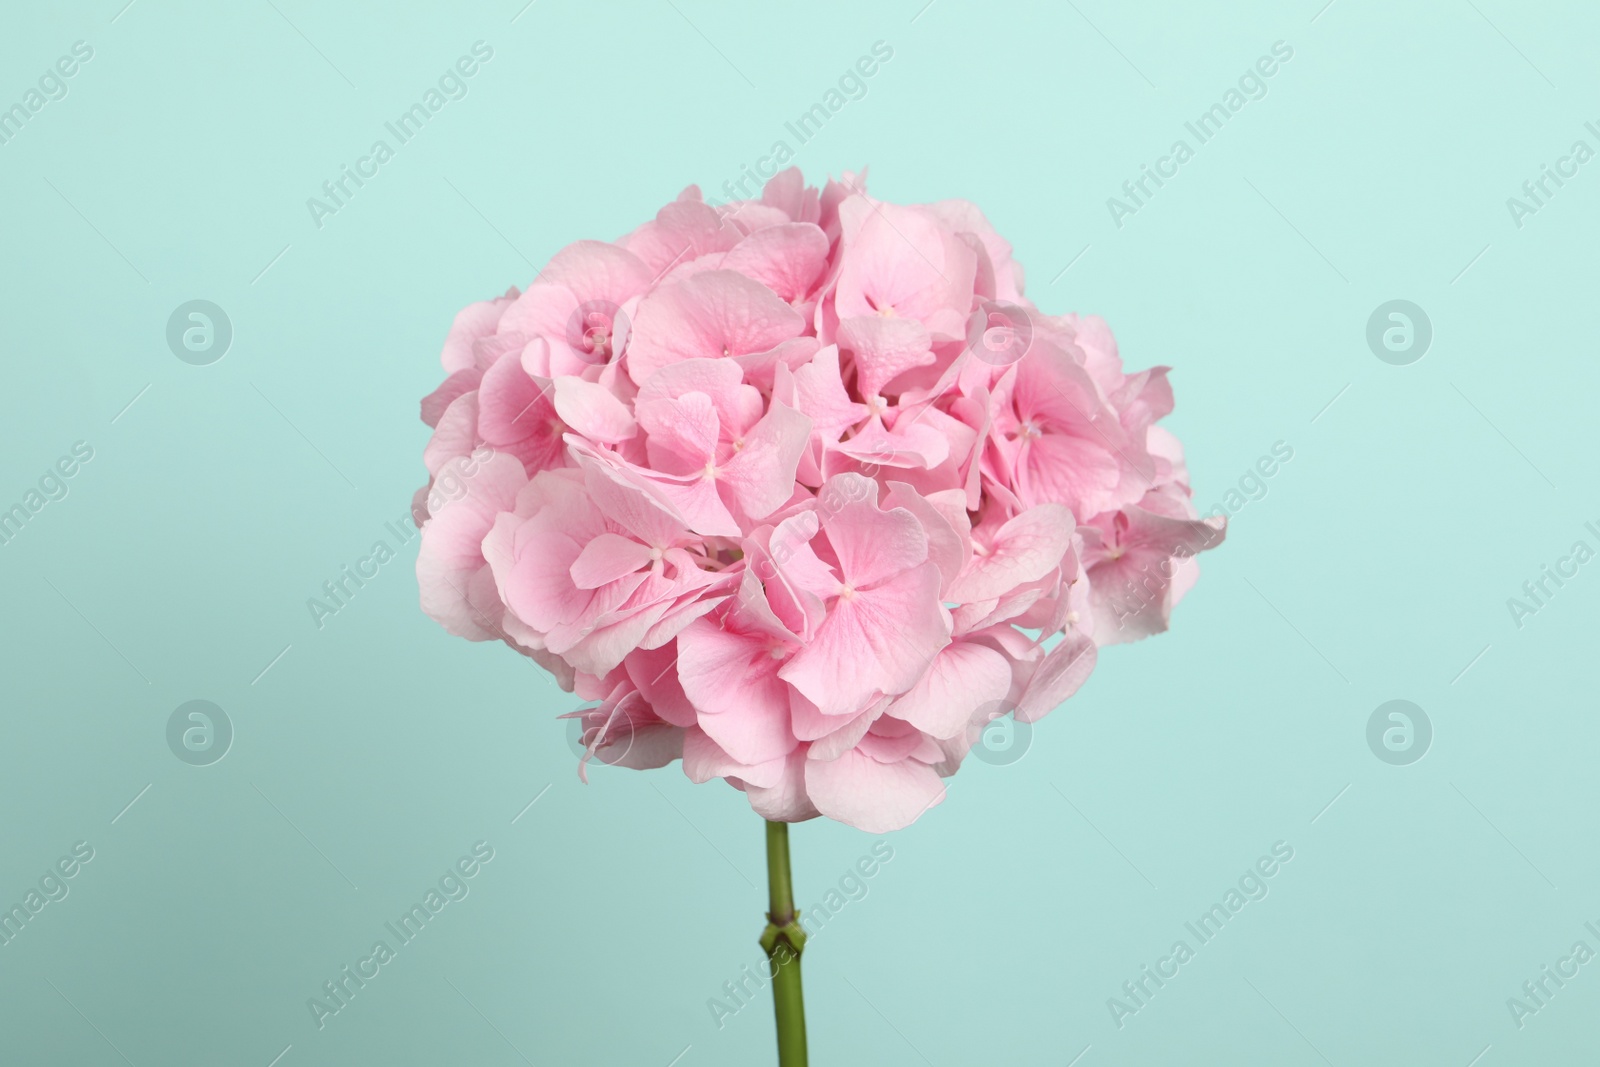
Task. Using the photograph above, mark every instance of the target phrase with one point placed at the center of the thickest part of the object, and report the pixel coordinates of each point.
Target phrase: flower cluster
(803, 491)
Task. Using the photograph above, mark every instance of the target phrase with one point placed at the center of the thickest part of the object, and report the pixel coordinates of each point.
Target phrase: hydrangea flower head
(801, 491)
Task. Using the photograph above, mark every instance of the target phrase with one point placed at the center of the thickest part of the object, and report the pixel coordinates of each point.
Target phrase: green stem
(784, 940)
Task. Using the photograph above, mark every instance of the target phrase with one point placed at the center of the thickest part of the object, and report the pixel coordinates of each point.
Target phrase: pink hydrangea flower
(799, 491)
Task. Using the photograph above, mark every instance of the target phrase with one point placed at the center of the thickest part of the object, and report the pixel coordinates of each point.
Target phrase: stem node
(783, 940)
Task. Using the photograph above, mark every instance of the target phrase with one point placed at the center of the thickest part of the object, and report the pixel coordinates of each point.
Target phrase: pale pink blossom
(801, 491)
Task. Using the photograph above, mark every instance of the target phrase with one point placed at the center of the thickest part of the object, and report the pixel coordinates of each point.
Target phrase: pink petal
(785, 800)
(719, 669)
(511, 404)
(1026, 548)
(455, 436)
(832, 737)
(871, 544)
(704, 759)
(788, 259)
(821, 395)
(964, 677)
(738, 405)
(696, 499)
(593, 410)
(627, 503)
(883, 349)
(878, 641)
(900, 261)
(606, 558)
(537, 585)
(682, 432)
(752, 733)
(787, 191)
(761, 368)
(944, 518)
(435, 403)
(890, 741)
(761, 474)
(708, 316)
(1058, 676)
(872, 796)
(680, 231)
(915, 444)
(652, 671)
(597, 270)
(473, 322)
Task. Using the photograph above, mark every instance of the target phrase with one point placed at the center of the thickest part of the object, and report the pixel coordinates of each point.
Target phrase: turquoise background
(374, 752)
